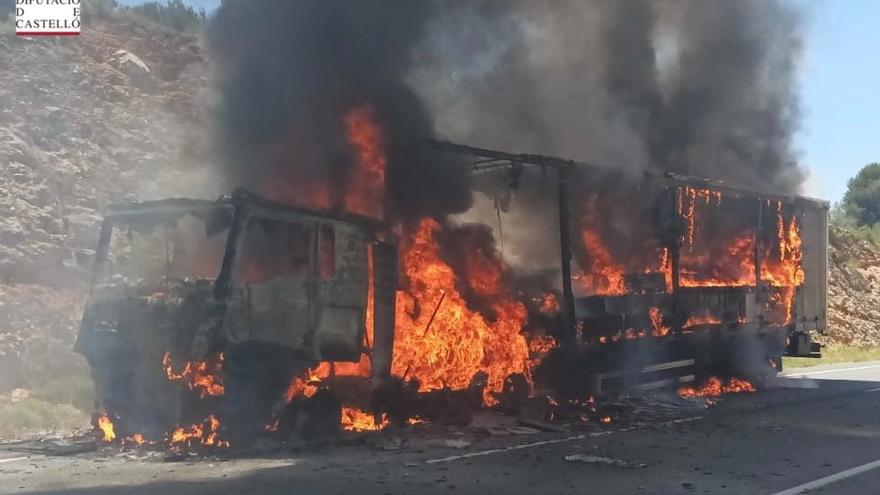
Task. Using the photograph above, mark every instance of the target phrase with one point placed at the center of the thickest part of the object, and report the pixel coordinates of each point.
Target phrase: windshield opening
(272, 248)
(150, 248)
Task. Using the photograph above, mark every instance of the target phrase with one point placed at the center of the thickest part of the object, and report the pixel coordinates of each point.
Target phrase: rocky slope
(85, 121)
(853, 290)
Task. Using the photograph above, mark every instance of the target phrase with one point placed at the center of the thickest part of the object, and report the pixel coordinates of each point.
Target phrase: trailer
(707, 277)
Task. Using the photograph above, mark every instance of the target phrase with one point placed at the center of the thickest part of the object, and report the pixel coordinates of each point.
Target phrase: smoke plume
(702, 88)
(696, 87)
(288, 73)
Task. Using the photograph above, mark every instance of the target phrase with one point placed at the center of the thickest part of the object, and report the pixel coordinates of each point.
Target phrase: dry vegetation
(105, 117)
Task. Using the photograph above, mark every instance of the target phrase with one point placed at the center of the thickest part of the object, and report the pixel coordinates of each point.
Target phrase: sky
(840, 93)
(839, 84)
(209, 5)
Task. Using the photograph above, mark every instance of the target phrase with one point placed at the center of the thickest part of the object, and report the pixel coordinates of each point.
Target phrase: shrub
(174, 15)
(98, 9)
(862, 198)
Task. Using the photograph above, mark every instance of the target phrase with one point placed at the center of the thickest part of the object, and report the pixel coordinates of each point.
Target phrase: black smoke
(706, 88)
(288, 72)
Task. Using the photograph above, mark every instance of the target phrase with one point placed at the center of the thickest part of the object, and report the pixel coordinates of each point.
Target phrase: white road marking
(514, 447)
(842, 370)
(873, 390)
(830, 479)
(795, 383)
(481, 453)
(13, 459)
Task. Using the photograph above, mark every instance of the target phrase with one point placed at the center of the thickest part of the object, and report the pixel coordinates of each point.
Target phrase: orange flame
(604, 276)
(549, 304)
(543, 343)
(715, 386)
(136, 439)
(309, 385)
(660, 330)
(366, 185)
(688, 199)
(198, 375)
(731, 267)
(701, 319)
(207, 433)
(459, 342)
(181, 434)
(785, 269)
(105, 425)
(363, 191)
(354, 419)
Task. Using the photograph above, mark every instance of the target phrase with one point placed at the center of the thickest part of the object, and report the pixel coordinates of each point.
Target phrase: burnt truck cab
(251, 285)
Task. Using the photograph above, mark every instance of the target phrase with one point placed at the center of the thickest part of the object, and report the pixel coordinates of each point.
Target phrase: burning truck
(276, 318)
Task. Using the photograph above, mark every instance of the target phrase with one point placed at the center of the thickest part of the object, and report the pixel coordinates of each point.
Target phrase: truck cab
(242, 283)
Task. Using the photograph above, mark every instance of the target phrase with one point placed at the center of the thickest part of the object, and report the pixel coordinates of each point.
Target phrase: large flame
(366, 183)
(603, 276)
(439, 339)
(707, 258)
(732, 266)
(360, 191)
(784, 268)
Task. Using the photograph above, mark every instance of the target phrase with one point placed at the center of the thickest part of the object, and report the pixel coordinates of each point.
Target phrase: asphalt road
(817, 430)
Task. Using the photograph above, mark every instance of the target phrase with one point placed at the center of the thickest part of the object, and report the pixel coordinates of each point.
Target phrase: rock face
(85, 122)
(104, 117)
(138, 72)
(853, 290)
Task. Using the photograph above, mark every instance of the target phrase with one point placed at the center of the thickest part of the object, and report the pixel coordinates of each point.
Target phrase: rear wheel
(255, 377)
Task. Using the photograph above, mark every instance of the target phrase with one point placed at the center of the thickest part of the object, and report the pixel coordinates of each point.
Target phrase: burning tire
(256, 375)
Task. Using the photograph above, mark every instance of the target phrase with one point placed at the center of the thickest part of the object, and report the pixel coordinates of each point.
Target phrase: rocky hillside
(85, 121)
(853, 290)
(108, 116)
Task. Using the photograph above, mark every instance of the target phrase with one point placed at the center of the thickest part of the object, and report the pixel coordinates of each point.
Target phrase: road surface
(816, 432)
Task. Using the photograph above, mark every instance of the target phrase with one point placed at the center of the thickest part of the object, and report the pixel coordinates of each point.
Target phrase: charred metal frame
(492, 159)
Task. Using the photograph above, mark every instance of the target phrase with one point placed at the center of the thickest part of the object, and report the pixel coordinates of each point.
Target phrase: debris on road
(53, 447)
(604, 461)
(456, 443)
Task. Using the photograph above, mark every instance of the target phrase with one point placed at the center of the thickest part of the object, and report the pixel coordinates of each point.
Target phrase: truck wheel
(255, 378)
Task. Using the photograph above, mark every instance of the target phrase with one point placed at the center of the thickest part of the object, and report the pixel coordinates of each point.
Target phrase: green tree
(862, 198)
(173, 14)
